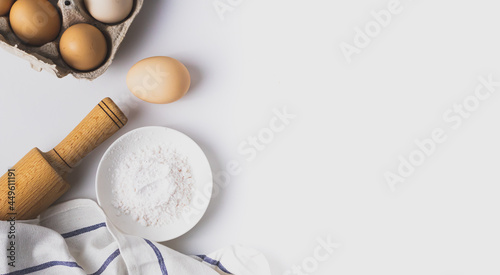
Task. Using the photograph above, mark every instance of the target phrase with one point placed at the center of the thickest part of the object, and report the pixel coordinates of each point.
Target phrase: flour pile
(154, 185)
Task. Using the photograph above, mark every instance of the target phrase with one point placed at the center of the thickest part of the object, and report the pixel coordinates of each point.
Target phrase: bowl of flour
(154, 182)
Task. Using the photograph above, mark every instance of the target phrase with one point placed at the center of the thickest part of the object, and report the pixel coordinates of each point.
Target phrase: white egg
(109, 11)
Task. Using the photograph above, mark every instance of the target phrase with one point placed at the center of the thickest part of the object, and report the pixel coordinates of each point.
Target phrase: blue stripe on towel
(214, 262)
(43, 266)
(83, 230)
(107, 262)
(163, 268)
(68, 264)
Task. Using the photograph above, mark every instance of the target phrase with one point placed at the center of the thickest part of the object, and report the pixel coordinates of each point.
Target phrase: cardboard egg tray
(48, 58)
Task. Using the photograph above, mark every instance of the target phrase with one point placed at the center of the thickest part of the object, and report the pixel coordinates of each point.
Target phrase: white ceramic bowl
(202, 175)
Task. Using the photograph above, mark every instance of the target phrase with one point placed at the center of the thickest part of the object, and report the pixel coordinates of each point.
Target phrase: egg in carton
(48, 57)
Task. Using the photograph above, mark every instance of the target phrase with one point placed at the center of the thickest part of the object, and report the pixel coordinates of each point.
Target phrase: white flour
(154, 185)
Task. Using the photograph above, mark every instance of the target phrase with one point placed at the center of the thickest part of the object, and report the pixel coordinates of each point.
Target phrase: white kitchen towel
(74, 238)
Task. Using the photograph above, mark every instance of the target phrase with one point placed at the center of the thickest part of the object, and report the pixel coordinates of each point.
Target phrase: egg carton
(48, 58)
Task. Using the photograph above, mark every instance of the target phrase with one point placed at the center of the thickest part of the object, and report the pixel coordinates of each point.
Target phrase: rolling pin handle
(100, 124)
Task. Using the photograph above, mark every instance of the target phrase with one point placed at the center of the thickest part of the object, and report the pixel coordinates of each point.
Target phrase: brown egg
(5, 6)
(159, 80)
(83, 47)
(35, 22)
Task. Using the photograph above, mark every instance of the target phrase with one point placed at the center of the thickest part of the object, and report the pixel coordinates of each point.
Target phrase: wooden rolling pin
(37, 180)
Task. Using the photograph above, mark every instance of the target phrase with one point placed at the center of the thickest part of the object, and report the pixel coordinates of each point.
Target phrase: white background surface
(324, 174)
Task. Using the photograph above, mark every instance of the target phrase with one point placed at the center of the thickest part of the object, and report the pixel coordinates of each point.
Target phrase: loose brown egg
(5, 6)
(159, 80)
(35, 22)
(83, 47)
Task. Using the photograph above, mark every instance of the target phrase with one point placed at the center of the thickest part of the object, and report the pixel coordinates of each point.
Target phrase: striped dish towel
(74, 238)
